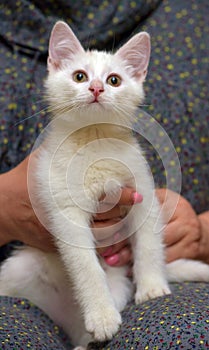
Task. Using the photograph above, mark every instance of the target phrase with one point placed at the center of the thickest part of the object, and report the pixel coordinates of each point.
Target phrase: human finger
(107, 210)
(123, 257)
(104, 231)
(173, 233)
(128, 196)
(182, 251)
(107, 214)
(119, 254)
(112, 249)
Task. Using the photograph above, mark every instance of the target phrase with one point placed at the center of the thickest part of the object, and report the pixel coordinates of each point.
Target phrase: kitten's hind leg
(187, 270)
(40, 277)
(121, 287)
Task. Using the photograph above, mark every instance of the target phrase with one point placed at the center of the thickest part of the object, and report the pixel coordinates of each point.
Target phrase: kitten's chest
(100, 159)
(89, 163)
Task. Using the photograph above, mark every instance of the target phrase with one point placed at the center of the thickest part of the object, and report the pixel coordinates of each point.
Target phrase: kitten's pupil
(114, 80)
(80, 77)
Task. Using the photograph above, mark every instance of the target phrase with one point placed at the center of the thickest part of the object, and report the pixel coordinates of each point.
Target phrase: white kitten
(89, 149)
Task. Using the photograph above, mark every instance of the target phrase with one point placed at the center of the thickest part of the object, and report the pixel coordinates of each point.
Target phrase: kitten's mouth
(95, 101)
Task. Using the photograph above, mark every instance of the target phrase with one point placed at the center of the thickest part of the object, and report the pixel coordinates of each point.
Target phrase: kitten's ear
(136, 53)
(63, 45)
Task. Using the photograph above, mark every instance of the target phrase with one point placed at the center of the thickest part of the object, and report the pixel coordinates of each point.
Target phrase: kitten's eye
(80, 77)
(114, 80)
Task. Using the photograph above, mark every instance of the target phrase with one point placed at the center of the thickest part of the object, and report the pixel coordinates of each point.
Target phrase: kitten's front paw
(103, 323)
(144, 293)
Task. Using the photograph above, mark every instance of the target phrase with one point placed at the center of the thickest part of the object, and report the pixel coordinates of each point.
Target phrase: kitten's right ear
(63, 45)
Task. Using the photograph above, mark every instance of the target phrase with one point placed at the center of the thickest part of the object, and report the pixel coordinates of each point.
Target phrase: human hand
(19, 222)
(17, 218)
(116, 254)
(186, 233)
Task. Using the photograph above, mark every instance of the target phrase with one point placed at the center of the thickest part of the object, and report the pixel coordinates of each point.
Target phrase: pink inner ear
(63, 44)
(136, 53)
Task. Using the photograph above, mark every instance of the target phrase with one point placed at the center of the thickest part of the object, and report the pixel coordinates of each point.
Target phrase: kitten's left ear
(63, 45)
(136, 54)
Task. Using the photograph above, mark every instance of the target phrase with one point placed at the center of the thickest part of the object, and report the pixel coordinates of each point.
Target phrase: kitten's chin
(95, 106)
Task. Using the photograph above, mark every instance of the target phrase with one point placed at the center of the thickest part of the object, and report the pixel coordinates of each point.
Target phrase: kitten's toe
(103, 323)
(152, 292)
(79, 348)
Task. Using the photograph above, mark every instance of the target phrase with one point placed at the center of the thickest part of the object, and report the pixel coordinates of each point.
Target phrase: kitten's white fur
(77, 289)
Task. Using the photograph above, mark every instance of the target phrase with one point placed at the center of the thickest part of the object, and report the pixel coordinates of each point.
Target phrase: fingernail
(112, 260)
(137, 197)
(107, 252)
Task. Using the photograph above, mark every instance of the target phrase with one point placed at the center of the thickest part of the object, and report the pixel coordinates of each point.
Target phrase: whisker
(29, 117)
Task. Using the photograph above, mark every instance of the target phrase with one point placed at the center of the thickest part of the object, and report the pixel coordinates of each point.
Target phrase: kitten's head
(85, 83)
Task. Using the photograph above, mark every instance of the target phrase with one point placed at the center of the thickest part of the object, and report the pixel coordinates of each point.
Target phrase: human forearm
(204, 241)
(5, 236)
(17, 218)
(6, 203)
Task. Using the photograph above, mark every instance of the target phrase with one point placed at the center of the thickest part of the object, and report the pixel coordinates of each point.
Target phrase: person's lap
(24, 326)
(176, 321)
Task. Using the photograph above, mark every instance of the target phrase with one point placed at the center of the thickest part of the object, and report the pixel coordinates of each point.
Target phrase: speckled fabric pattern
(174, 322)
(24, 326)
(176, 96)
(177, 92)
(177, 321)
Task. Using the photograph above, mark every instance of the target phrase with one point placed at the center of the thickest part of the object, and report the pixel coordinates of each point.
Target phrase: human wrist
(204, 241)
(5, 234)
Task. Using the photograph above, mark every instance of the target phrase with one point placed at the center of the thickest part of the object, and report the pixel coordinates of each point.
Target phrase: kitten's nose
(96, 87)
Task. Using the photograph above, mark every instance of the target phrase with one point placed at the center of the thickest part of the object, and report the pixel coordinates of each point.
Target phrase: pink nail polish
(137, 197)
(107, 252)
(112, 260)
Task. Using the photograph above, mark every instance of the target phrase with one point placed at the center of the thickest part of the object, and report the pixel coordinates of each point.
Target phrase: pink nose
(96, 87)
